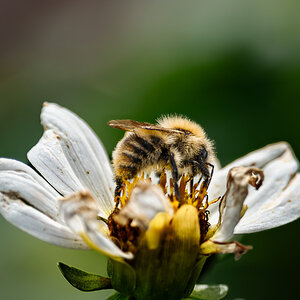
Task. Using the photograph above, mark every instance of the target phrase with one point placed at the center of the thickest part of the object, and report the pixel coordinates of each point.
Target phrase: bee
(175, 143)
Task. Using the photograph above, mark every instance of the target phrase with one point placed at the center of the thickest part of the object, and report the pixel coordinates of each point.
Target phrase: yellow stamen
(214, 201)
(163, 181)
(182, 187)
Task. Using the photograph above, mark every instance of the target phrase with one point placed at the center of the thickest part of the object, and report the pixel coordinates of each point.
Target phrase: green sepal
(195, 275)
(118, 296)
(84, 281)
(123, 276)
(209, 292)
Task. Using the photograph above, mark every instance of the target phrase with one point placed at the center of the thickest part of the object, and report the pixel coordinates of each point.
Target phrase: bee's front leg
(204, 170)
(211, 172)
(175, 176)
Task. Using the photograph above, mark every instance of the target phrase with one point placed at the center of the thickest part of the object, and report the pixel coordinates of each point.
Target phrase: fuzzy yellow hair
(181, 122)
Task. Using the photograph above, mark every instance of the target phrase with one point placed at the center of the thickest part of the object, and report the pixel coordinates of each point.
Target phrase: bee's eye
(203, 155)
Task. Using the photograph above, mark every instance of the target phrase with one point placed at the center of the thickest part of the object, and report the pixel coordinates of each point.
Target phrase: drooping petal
(212, 247)
(279, 154)
(78, 149)
(18, 181)
(146, 200)
(38, 224)
(80, 211)
(238, 181)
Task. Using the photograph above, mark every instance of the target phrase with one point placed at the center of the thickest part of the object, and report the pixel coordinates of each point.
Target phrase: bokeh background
(233, 66)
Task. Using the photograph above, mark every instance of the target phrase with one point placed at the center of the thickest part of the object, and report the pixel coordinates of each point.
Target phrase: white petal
(37, 224)
(217, 164)
(80, 211)
(49, 158)
(275, 211)
(19, 181)
(87, 161)
(259, 158)
(146, 201)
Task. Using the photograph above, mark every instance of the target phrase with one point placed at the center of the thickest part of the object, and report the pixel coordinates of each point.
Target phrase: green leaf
(209, 292)
(117, 296)
(84, 281)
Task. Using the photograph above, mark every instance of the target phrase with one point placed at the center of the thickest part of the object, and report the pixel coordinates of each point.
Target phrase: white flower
(73, 165)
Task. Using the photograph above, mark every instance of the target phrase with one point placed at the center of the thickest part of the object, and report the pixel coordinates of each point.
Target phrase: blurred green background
(232, 66)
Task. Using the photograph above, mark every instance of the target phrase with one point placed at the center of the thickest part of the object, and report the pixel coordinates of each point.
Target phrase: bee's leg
(175, 176)
(118, 190)
(211, 172)
(204, 171)
(207, 177)
(158, 174)
(191, 184)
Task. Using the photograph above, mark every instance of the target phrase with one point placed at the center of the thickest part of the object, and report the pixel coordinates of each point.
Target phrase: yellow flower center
(192, 193)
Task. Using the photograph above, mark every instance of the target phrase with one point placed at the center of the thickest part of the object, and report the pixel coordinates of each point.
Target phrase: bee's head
(193, 142)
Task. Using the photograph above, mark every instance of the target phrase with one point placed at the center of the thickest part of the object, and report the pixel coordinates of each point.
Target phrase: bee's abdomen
(135, 154)
(133, 158)
(143, 143)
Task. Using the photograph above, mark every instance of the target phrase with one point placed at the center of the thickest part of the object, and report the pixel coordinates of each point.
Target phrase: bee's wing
(130, 125)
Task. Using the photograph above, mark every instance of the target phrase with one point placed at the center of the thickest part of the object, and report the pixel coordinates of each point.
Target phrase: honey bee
(175, 143)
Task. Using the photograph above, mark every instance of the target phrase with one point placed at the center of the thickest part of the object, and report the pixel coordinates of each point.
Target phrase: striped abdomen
(134, 153)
